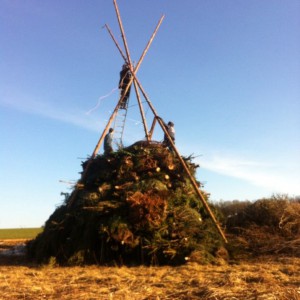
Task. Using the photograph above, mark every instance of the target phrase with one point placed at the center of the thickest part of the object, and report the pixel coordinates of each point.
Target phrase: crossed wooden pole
(148, 134)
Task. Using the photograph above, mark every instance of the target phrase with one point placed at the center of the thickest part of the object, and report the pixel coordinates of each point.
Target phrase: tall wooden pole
(150, 42)
(152, 127)
(135, 86)
(116, 43)
(122, 32)
(141, 110)
(134, 70)
(148, 137)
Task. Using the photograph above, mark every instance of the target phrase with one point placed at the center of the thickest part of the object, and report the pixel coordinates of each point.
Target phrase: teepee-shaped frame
(148, 134)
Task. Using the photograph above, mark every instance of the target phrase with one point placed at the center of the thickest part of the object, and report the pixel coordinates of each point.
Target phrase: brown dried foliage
(147, 208)
(267, 226)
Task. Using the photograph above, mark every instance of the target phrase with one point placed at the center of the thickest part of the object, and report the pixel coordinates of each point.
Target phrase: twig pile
(135, 206)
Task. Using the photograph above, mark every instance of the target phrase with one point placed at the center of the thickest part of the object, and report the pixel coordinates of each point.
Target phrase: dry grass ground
(264, 279)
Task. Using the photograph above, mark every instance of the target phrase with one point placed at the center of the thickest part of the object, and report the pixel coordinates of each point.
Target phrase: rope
(100, 100)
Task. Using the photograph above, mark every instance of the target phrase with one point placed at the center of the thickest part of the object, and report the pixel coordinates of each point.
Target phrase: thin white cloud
(278, 179)
(48, 110)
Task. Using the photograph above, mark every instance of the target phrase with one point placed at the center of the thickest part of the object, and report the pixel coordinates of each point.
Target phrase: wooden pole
(141, 110)
(116, 43)
(122, 31)
(128, 60)
(148, 134)
(134, 70)
(135, 86)
(149, 42)
(152, 127)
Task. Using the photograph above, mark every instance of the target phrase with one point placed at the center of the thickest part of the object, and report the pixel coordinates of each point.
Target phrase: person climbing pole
(125, 77)
(108, 142)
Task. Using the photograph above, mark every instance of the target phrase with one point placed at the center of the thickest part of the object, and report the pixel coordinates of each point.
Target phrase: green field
(19, 233)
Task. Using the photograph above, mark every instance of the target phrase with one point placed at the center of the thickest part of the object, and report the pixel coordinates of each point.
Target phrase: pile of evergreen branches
(134, 206)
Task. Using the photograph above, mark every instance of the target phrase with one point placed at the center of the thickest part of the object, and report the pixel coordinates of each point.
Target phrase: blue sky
(225, 72)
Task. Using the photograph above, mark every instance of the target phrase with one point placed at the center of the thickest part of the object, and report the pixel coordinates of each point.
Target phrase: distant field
(19, 233)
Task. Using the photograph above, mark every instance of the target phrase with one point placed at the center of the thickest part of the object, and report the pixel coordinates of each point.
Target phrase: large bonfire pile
(135, 206)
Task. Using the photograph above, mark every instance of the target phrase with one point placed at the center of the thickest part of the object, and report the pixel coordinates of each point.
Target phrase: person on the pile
(108, 142)
(171, 131)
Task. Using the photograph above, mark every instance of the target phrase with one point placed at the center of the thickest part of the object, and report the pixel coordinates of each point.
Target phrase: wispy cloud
(276, 178)
(72, 115)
